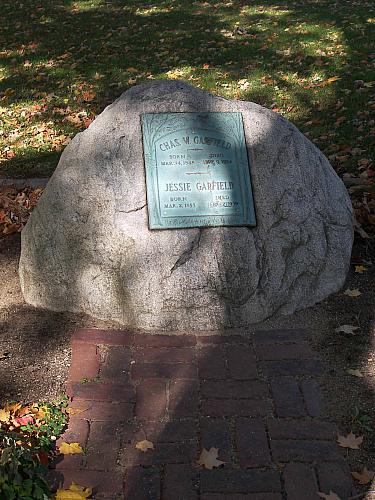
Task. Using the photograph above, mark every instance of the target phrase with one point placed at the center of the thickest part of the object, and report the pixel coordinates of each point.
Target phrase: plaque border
(155, 220)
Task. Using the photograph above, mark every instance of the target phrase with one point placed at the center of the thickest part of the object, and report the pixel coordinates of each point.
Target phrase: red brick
(304, 451)
(215, 433)
(142, 483)
(222, 339)
(149, 340)
(64, 462)
(154, 370)
(116, 364)
(241, 362)
(94, 391)
(164, 355)
(226, 389)
(240, 481)
(151, 399)
(335, 477)
(85, 362)
(183, 398)
(252, 443)
(236, 407)
(77, 432)
(292, 367)
(108, 485)
(211, 363)
(243, 496)
(101, 410)
(284, 351)
(288, 398)
(301, 429)
(106, 337)
(167, 432)
(179, 482)
(279, 336)
(300, 482)
(103, 445)
(314, 400)
(163, 453)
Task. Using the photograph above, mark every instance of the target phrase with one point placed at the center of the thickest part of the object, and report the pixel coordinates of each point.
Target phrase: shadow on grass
(70, 48)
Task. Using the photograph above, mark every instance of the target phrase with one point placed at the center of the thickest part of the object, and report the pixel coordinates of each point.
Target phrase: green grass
(62, 62)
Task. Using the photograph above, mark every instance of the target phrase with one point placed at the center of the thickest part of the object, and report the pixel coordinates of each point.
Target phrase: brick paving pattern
(256, 398)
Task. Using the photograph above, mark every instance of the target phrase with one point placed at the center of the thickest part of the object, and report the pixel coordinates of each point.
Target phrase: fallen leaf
(144, 445)
(332, 495)
(352, 293)
(364, 477)
(350, 441)
(347, 329)
(4, 415)
(75, 492)
(28, 419)
(208, 459)
(70, 448)
(88, 96)
(355, 373)
(76, 411)
(360, 269)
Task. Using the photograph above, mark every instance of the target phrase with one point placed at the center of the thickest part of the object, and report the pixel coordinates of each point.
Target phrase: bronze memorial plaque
(197, 170)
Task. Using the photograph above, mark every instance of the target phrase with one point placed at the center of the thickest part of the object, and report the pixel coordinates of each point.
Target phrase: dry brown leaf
(355, 373)
(352, 292)
(347, 329)
(350, 441)
(76, 411)
(144, 445)
(360, 269)
(70, 449)
(364, 477)
(208, 459)
(332, 495)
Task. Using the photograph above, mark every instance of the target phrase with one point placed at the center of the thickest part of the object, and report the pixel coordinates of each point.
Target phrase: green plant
(27, 438)
(362, 420)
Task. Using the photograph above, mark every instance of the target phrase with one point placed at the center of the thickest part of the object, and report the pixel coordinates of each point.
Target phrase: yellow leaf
(12, 407)
(4, 415)
(76, 411)
(75, 492)
(364, 477)
(70, 449)
(350, 441)
(360, 269)
(333, 79)
(144, 445)
(208, 459)
(352, 293)
(131, 70)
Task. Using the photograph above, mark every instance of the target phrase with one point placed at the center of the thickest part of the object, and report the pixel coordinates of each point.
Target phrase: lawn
(62, 62)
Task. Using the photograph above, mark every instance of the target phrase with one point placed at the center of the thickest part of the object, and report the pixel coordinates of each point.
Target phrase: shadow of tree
(71, 49)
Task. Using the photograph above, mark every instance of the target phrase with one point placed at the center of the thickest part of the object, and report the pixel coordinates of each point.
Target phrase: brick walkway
(255, 398)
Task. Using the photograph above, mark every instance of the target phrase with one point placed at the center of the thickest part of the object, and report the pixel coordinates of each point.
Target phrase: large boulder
(87, 246)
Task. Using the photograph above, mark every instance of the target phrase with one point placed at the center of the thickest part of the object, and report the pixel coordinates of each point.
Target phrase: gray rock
(87, 246)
